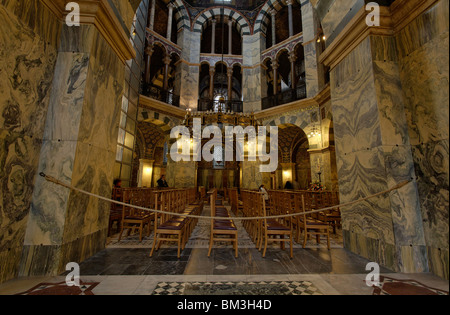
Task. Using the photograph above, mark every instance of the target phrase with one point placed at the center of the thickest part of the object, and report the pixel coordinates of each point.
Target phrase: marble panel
(424, 75)
(391, 111)
(99, 121)
(362, 174)
(335, 14)
(309, 24)
(355, 112)
(431, 162)
(49, 203)
(92, 172)
(311, 69)
(189, 85)
(27, 60)
(68, 90)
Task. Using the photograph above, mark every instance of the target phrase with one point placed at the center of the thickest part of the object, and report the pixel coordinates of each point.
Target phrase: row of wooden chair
(223, 229)
(299, 202)
(233, 199)
(132, 218)
(263, 230)
(174, 225)
(316, 200)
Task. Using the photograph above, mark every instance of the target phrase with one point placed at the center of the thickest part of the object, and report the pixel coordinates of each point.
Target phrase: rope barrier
(57, 182)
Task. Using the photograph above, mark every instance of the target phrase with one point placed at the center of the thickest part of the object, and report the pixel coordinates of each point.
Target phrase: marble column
(189, 70)
(211, 83)
(251, 74)
(213, 37)
(151, 21)
(275, 76)
(273, 14)
(230, 83)
(290, 17)
(148, 57)
(292, 60)
(79, 148)
(230, 37)
(374, 154)
(314, 79)
(169, 23)
(167, 60)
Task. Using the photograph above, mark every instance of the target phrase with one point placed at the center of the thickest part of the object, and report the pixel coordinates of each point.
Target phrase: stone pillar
(145, 173)
(230, 37)
(376, 146)
(230, 83)
(211, 83)
(275, 76)
(291, 22)
(189, 71)
(310, 31)
(213, 37)
(169, 23)
(148, 57)
(79, 148)
(151, 21)
(292, 60)
(166, 61)
(251, 74)
(273, 13)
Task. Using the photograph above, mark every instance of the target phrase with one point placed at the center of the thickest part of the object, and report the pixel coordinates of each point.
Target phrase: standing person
(162, 182)
(264, 191)
(288, 186)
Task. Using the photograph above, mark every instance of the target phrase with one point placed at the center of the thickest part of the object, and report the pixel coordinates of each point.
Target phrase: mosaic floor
(237, 288)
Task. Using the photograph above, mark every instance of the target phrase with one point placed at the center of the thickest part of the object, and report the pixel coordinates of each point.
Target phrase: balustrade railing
(205, 105)
(285, 97)
(159, 94)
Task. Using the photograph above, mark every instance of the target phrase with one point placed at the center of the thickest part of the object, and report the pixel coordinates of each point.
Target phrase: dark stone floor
(136, 261)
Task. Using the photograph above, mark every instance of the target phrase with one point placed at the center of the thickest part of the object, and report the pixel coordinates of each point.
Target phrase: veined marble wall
(28, 37)
(423, 63)
(79, 148)
(373, 123)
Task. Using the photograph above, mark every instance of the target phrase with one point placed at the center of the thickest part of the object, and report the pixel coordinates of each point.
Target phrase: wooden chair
(168, 227)
(311, 226)
(271, 228)
(222, 230)
(133, 218)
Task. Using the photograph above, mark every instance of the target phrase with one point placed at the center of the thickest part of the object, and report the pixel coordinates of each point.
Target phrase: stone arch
(201, 21)
(263, 19)
(304, 119)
